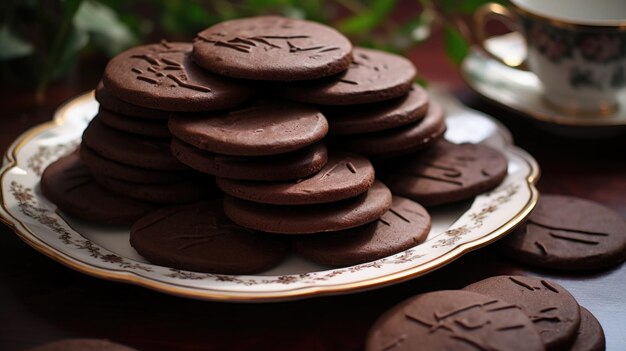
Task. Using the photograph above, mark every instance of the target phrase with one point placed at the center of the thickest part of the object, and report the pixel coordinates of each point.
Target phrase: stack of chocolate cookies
(284, 115)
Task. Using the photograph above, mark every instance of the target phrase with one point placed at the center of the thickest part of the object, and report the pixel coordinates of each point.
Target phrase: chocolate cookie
(130, 149)
(293, 165)
(569, 233)
(69, 185)
(447, 172)
(268, 127)
(553, 310)
(373, 76)
(114, 104)
(272, 48)
(590, 336)
(405, 225)
(344, 176)
(359, 119)
(163, 76)
(82, 345)
(108, 168)
(199, 237)
(184, 191)
(307, 219)
(453, 320)
(145, 127)
(402, 140)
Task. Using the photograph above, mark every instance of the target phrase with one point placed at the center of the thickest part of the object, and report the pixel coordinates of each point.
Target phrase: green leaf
(365, 21)
(109, 33)
(12, 46)
(455, 44)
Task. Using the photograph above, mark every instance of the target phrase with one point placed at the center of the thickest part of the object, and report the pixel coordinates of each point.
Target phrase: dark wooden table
(41, 300)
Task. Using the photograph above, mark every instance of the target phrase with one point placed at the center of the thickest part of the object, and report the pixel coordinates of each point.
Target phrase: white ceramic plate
(104, 251)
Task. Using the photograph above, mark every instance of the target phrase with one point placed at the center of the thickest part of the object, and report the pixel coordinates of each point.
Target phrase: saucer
(521, 91)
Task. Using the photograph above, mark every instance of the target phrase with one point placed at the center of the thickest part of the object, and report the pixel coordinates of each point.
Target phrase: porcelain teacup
(577, 49)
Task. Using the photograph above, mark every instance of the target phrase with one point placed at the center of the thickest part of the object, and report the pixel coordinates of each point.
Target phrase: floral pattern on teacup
(584, 50)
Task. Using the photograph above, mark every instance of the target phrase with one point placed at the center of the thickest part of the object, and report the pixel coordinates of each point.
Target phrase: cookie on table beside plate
(402, 140)
(568, 233)
(163, 76)
(199, 237)
(292, 165)
(82, 345)
(344, 176)
(308, 219)
(553, 310)
(272, 48)
(373, 76)
(375, 117)
(453, 320)
(68, 184)
(404, 225)
(447, 172)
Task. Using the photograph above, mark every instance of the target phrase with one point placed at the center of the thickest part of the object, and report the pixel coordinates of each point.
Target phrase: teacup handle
(501, 13)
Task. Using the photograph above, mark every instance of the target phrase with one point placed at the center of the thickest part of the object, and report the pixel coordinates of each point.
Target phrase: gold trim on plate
(237, 296)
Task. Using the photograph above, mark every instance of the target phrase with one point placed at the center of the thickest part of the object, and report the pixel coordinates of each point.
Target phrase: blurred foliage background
(41, 40)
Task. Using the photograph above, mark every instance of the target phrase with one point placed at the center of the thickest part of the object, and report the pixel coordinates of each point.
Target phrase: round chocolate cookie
(402, 140)
(359, 119)
(293, 165)
(453, 320)
(569, 233)
(447, 172)
(307, 219)
(553, 310)
(268, 127)
(108, 168)
(111, 103)
(68, 184)
(403, 226)
(184, 191)
(163, 76)
(373, 76)
(590, 336)
(199, 237)
(344, 176)
(272, 48)
(145, 127)
(130, 149)
(82, 345)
